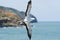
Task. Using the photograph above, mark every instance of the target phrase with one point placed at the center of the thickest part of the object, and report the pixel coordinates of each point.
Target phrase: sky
(43, 10)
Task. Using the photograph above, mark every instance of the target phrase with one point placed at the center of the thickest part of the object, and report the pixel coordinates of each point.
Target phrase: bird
(12, 18)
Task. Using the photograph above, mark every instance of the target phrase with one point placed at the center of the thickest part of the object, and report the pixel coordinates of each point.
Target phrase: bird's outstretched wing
(28, 8)
(29, 30)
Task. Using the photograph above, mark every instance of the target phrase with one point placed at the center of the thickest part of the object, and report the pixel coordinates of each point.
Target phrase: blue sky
(44, 10)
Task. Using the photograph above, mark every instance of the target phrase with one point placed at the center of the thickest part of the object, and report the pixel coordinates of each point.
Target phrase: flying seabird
(13, 18)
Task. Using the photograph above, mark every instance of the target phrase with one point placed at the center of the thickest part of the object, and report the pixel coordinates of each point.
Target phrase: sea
(42, 30)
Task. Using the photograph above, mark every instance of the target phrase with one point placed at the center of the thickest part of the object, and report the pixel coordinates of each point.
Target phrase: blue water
(40, 31)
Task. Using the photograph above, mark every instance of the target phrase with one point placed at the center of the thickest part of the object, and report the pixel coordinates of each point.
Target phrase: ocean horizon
(48, 30)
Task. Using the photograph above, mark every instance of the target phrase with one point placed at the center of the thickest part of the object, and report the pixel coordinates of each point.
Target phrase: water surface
(40, 31)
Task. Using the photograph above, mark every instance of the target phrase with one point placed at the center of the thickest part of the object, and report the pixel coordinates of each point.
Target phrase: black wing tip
(29, 36)
(29, 2)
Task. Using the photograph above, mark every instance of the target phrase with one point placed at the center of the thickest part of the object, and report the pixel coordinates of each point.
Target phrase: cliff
(19, 13)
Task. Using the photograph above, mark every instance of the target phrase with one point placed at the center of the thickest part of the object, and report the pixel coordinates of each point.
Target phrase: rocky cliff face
(35, 19)
(19, 13)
